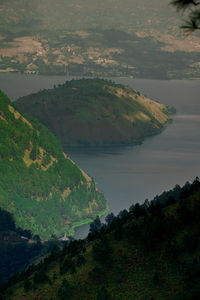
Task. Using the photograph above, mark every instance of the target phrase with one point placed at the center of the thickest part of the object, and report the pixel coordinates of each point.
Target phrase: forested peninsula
(96, 112)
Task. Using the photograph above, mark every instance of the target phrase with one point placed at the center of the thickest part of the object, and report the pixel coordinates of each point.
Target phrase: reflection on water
(128, 175)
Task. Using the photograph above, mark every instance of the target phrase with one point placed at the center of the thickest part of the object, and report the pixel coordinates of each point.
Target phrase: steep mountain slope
(40, 185)
(96, 112)
(150, 252)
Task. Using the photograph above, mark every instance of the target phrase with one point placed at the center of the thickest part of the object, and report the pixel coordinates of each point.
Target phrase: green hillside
(149, 252)
(91, 112)
(44, 190)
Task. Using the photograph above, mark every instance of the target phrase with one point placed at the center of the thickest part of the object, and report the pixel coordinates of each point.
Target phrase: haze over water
(132, 174)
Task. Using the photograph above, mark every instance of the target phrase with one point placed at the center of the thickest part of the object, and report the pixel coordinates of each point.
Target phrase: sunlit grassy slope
(46, 192)
(92, 112)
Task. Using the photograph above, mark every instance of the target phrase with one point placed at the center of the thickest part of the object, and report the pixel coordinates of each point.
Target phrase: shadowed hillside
(149, 252)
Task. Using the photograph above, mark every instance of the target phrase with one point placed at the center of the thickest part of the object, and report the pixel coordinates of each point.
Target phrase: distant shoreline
(3, 71)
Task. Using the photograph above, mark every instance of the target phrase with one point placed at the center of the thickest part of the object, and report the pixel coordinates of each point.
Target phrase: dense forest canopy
(149, 251)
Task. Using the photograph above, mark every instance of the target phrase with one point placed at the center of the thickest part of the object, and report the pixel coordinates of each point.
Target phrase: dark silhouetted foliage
(192, 8)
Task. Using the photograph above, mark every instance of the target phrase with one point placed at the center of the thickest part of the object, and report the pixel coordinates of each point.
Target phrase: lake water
(132, 174)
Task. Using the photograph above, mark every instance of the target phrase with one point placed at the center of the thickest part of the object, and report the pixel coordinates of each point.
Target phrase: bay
(128, 175)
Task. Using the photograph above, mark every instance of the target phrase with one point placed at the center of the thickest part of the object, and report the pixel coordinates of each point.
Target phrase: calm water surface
(132, 174)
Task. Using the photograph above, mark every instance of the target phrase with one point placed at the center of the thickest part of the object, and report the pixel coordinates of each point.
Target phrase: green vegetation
(86, 221)
(149, 252)
(96, 112)
(43, 189)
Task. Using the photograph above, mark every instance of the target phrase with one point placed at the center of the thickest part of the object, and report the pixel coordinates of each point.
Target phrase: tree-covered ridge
(150, 251)
(44, 190)
(91, 112)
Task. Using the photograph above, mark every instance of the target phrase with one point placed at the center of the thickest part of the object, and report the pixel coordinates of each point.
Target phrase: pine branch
(184, 4)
